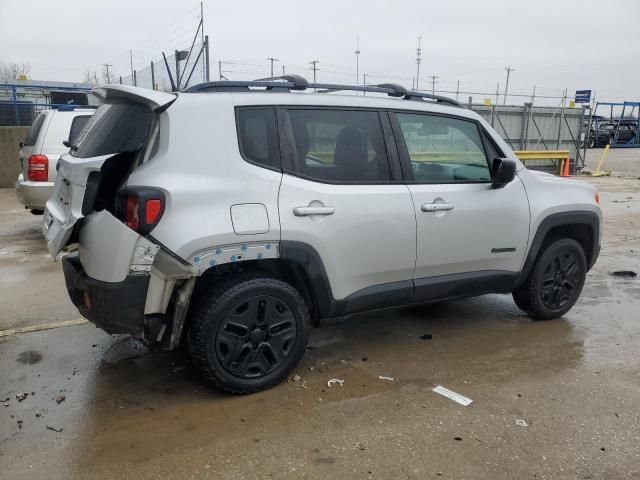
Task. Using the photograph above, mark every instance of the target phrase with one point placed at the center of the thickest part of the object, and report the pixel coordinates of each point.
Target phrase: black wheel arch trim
(569, 218)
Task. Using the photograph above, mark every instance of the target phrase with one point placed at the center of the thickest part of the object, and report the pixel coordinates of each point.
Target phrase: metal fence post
(135, 79)
(120, 79)
(153, 78)
(564, 96)
(15, 105)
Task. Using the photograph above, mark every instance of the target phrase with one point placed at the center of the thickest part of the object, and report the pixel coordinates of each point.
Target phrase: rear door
(121, 124)
(342, 198)
(465, 228)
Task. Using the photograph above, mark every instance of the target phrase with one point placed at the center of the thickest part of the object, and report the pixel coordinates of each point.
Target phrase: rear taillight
(143, 208)
(38, 168)
(133, 218)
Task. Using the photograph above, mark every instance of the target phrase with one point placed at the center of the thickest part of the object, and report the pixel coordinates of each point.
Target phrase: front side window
(443, 149)
(114, 128)
(257, 136)
(339, 145)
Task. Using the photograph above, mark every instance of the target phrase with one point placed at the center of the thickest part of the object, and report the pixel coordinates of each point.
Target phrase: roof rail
(296, 82)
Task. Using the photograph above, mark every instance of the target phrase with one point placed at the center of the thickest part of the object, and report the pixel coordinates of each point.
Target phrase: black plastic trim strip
(393, 294)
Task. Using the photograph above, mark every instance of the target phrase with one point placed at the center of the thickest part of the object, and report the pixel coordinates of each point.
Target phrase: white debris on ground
(521, 423)
(333, 381)
(390, 379)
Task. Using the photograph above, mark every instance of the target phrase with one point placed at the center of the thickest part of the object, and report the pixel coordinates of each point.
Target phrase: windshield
(114, 128)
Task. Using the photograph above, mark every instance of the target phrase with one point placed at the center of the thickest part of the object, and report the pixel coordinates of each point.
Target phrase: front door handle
(437, 207)
(306, 211)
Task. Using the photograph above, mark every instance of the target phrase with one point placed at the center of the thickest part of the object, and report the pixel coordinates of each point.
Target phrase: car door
(342, 198)
(471, 237)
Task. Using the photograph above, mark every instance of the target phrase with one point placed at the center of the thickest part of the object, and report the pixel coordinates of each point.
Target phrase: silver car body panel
(109, 250)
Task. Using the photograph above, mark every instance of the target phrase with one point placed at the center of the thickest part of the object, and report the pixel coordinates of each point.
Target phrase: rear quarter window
(77, 125)
(34, 131)
(257, 136)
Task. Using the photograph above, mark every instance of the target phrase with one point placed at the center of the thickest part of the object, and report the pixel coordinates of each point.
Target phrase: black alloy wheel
(256, 336)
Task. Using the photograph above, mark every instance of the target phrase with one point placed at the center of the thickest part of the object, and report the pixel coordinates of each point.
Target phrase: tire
(555, 281)
(248, 335)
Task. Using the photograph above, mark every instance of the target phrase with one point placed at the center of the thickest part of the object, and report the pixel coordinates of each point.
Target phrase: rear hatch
(105, 153)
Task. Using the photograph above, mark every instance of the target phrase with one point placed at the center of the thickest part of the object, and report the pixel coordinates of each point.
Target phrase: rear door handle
(306, 211)
(437, 207)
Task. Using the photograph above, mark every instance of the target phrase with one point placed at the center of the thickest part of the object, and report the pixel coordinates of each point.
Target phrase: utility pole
(506, 86)
(357, 52)
(457, 90)
(434, 78)
(131, 61)
(314, 64)
(106, 66)
(283, 70)
(271, 59)
(418, 62)
(364, 82)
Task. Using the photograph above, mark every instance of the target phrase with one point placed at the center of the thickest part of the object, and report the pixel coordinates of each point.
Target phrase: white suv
(243, 213)
(41, 149)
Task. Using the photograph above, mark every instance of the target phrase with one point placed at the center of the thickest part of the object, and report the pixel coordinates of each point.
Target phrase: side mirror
(503, 172)
(21, 144)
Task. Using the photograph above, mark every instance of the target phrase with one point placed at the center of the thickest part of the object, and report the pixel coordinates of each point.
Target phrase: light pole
(418, 62)
(506, 86)
(357, 52)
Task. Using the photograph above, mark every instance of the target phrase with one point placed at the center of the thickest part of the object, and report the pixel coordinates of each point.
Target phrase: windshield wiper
(70, 145)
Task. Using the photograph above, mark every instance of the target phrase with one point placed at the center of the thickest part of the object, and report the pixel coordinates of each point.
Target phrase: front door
(341, 199)
(470, 236)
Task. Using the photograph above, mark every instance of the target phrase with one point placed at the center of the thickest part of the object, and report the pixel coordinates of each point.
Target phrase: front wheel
(555, 281)
(248, 335)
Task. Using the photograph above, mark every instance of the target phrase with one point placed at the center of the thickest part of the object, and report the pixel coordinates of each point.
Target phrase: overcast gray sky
(553, 44)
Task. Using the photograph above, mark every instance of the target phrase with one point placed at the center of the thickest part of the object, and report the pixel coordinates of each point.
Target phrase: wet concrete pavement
(574, 381)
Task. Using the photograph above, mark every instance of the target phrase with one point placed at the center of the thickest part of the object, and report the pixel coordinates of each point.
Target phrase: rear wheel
(555, 281)
(249, 335)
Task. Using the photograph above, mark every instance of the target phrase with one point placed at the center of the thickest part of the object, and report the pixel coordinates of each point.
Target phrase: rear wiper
(70, 145)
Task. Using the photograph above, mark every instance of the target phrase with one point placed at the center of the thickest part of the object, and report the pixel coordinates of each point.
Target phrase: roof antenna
(166, 64)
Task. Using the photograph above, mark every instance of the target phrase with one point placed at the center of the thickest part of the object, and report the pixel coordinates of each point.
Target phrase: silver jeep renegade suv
(233, 216)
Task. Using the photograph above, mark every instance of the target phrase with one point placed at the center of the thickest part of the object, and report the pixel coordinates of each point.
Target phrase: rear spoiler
(153, 99)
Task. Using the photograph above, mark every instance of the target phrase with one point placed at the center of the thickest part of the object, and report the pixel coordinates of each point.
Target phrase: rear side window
(340, 145)
(77, 125)
(114, 128)
(257, 136)
(34, 131)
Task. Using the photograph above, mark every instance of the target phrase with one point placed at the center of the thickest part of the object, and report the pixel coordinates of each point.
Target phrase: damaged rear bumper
(115, 307)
